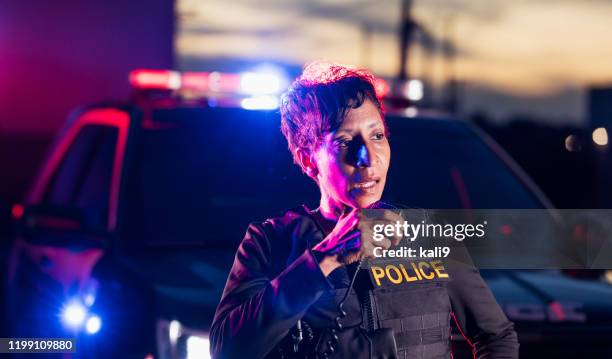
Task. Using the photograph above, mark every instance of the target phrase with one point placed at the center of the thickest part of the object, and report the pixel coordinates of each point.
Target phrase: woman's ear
(307, 162)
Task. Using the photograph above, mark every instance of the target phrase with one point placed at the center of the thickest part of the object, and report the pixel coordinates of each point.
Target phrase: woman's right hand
(347, 244)
(334, 245)
(344, 236)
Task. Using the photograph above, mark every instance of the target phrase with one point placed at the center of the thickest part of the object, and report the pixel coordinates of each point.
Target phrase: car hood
(549, 301)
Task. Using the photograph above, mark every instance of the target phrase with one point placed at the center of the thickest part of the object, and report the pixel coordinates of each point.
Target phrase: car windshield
(201, 175)
(445, 164)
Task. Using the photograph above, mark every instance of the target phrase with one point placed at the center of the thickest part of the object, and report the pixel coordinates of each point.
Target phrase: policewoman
(299, 288)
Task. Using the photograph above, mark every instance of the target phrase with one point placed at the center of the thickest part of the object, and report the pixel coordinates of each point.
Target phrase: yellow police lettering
(425, 275)
(396, 280)
(416, 270)
(399, 273)
(439, 268)
(406, 275)
(378, 273)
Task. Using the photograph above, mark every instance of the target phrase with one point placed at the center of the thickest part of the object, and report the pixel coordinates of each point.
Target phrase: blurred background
(535, 75)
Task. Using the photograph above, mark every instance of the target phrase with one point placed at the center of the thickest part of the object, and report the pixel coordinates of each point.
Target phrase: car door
(70, 210)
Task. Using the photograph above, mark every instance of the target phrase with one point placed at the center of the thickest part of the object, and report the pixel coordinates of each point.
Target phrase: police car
(126, 236)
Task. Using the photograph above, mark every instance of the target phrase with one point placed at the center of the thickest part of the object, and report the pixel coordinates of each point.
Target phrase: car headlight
(93, 324)
(175, 340)
(198, 347)
(75, 315)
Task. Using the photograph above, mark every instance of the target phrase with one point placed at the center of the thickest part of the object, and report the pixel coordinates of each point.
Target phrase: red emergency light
(381, 87)
(144, 79)
(195, 80)
(155, 79)
(17, 211)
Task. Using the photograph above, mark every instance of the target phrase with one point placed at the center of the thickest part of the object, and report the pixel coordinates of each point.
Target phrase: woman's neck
(331, 210)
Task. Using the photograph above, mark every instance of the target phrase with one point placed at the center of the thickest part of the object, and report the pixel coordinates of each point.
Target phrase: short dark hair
(317, 102)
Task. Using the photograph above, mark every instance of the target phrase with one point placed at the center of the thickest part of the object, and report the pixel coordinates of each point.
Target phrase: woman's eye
(379, 136)
(342, 142)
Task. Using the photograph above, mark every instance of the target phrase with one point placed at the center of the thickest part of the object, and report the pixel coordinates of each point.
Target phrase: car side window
(83, 177)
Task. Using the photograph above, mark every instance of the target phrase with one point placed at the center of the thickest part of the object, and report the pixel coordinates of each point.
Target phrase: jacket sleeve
(480, 317)
(257, 309)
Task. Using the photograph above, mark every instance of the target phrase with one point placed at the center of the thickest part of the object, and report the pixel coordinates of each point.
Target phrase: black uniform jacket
(275, 282)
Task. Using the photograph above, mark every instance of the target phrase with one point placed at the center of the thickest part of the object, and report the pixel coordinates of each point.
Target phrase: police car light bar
(155, 79)
(254, 90)
(248, 83)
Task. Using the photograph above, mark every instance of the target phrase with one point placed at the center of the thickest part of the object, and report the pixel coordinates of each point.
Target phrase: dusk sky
(522, 56)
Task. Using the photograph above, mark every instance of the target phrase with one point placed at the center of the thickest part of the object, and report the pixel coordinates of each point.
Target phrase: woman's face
(352, 162)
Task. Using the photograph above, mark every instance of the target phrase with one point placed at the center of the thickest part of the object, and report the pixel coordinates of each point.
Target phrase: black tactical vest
(395, 309)
(412, 300)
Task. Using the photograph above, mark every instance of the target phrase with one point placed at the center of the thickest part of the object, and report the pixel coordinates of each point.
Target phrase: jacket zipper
(369, 311)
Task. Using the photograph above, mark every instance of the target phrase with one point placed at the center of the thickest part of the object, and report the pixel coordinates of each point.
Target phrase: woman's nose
(363, 156)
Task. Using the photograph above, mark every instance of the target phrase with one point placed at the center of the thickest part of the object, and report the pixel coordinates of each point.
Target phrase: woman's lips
(368, 186)
(365, 185)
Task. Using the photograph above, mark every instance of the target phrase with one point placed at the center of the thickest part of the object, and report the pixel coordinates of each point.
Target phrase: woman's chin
(366, 201)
